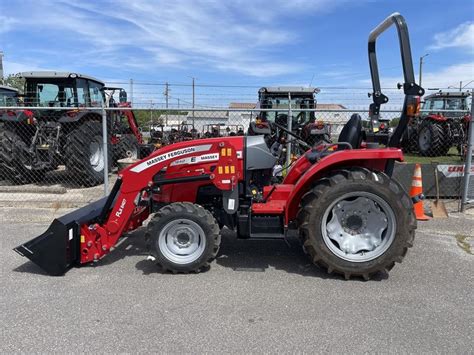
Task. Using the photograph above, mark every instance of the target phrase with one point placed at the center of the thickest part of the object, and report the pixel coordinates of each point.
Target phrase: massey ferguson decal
(170, 155)
(451, 171)
(198, 159)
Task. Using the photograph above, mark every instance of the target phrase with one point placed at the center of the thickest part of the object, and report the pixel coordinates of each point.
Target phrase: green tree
(15, 82)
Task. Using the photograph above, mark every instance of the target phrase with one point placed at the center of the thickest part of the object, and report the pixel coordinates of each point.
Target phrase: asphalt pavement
(258, 296)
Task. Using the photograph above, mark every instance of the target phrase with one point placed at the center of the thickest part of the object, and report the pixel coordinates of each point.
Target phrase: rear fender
(72, 116)
(19, 116)
(436, 118)
(375, 159)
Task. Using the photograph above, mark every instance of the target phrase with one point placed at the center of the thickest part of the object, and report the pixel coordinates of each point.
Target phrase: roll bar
(410, 88)
(405, 50)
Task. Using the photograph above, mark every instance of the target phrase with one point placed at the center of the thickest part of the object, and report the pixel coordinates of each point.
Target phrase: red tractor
(352, 217)
(444, 124)
(33, 141)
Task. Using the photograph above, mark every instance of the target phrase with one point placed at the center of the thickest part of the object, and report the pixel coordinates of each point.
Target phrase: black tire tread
(12, 154)
(127, 142)
(178, 208)
(77, 157)
(323, 187)
(439, 144)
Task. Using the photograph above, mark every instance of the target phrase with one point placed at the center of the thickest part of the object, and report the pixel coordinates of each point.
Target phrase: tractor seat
(350, 134)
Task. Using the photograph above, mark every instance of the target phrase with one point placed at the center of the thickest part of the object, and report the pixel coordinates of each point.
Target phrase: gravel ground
(258, 296)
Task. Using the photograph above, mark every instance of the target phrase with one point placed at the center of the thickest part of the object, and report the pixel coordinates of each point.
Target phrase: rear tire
(183, 237)
(16, 163)
(433, 139)
(85, 155)
(357, 223)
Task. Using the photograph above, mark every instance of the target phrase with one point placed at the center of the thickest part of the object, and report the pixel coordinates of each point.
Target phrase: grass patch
(463, 243)
(452, 157)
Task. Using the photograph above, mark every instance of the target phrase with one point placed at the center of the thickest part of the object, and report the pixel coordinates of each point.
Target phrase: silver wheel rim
(132, 153)
(358, 226)
(96, 157)
(182, 241)
(424, 139)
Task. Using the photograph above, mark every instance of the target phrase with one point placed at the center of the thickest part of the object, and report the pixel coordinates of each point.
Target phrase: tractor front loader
(352, 217)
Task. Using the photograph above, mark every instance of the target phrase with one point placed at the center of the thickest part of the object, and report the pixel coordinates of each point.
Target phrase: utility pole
(166, 98)
(178, 102)
(131, 92)
(166, 93)
(421, 67)
(460, 85)
(193, 96)
(1, 67)
(151, 114)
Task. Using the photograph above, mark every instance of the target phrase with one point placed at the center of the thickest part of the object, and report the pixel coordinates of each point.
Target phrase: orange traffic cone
(416, 194)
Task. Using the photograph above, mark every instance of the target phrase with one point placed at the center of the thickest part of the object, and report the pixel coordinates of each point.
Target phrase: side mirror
(123, 96)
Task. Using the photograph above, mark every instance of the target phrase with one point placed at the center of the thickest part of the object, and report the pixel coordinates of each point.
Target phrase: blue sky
(236, 42)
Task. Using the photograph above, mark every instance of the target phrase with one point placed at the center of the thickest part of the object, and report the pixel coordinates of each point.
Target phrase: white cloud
(461, 36)
(228, 36)
(15, 67)
(6, 23)
(447, 76)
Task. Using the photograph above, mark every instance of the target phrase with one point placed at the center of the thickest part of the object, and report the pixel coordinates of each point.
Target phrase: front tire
(183, 237)
(433, 139)
(127, 147)
(357, 223)
(84, 153)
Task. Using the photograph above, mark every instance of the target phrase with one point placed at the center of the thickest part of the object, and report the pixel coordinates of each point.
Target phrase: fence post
(105, 143)
(468, 164)
(289, 126)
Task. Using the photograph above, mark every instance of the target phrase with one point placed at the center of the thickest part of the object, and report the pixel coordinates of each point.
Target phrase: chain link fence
(68, 156)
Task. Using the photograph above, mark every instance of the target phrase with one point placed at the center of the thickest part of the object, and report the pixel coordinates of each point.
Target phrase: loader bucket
(57, 249)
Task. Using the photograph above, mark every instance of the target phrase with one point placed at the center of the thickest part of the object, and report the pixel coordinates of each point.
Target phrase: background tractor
(352, 217)
(182, 132)
(438, 129)
(34, 142)
(303, 129)
(8, 97)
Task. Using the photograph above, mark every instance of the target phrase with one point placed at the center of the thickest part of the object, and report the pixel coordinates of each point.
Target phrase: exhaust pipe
(58, 249)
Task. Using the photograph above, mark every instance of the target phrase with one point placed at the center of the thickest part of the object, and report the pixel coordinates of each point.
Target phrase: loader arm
(90, 233)
(132, 123)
